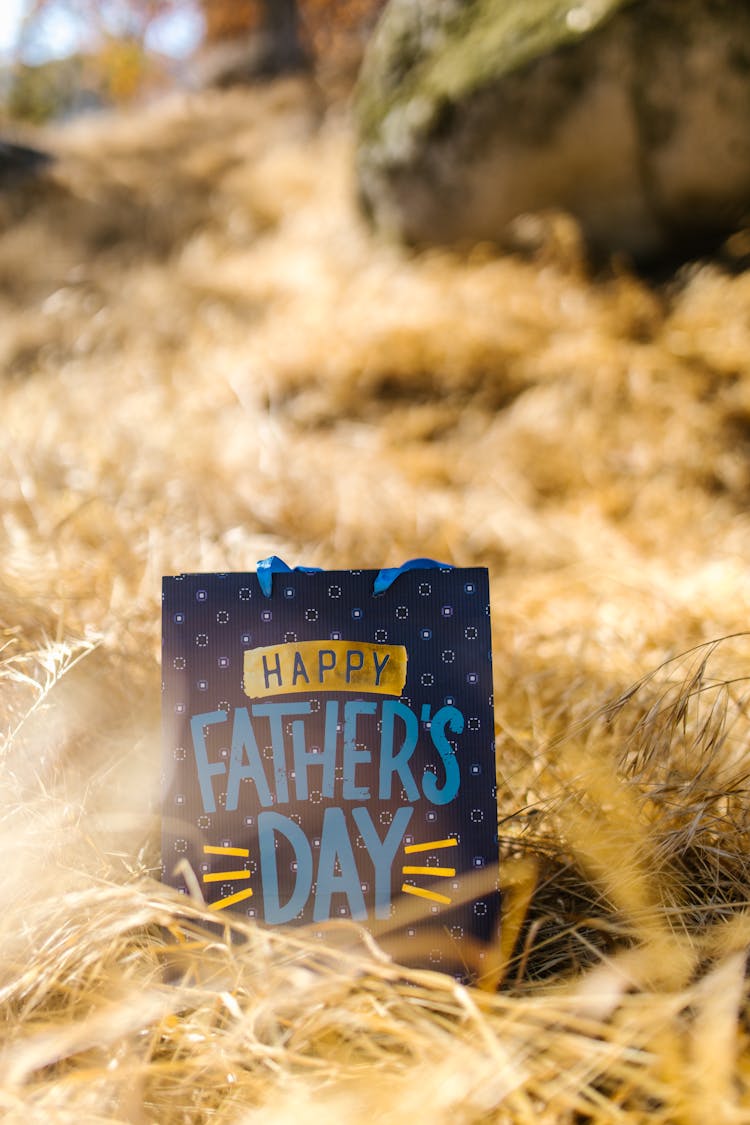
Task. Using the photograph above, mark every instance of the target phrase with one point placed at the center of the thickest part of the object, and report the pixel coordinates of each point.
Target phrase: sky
(61, 34)
(10, 14)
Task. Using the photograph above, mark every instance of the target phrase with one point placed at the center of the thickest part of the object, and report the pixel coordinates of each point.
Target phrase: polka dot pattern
(441, 616)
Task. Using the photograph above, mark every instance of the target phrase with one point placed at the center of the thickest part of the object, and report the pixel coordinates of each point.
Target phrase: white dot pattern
(209, 622)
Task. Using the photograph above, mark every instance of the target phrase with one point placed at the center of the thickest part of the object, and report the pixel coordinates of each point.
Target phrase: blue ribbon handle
(388, 575)
(266, 569)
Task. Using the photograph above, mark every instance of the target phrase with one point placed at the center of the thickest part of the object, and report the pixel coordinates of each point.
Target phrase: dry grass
(206, 360)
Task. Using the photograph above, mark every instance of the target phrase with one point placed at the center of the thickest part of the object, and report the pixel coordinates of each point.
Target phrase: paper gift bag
(329, 751)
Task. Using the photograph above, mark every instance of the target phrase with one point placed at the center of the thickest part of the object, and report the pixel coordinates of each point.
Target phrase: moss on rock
(446, 51)
(630, 114)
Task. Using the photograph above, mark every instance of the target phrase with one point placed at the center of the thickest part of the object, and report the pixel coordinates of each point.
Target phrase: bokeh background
(208, 356)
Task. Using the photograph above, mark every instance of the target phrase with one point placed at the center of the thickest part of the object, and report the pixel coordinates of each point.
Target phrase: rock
(19, 163)
(633, 115)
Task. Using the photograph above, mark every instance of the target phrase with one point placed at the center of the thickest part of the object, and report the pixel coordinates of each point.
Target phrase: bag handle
(266, 569)
(388, 575)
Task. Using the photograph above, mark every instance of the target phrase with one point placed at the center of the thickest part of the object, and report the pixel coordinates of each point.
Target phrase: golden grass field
(207, 359)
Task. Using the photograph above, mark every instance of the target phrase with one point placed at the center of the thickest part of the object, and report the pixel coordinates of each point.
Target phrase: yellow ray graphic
(216, 849)
(442, 872)
(220, 876)
(420, 892)
(438, 872)
(230, 900)
(430, 845)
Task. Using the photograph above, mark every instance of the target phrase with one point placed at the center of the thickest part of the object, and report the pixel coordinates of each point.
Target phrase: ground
(209, 359)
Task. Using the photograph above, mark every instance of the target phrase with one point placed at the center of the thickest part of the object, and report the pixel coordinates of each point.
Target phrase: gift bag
(329, 752)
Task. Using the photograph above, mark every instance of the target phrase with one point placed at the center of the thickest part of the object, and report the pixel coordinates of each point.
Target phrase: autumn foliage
(333, 32)
(115, 67)
(226, 19)
(324, 22)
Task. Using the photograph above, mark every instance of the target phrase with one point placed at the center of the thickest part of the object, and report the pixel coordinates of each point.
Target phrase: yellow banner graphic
(310, 666)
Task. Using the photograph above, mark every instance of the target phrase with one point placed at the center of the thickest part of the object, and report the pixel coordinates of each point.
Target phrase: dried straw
(207, 359)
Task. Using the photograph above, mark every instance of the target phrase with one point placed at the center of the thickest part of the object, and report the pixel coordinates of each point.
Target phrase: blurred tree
(281, 35)
(337, 32)
(243, 40)
(227, 19)
(53, 89)
(111, 65)
(128, 20)
(332, 24)
(248, 39)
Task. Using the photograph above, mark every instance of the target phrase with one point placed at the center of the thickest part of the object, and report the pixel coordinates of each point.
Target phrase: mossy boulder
(633, 115)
